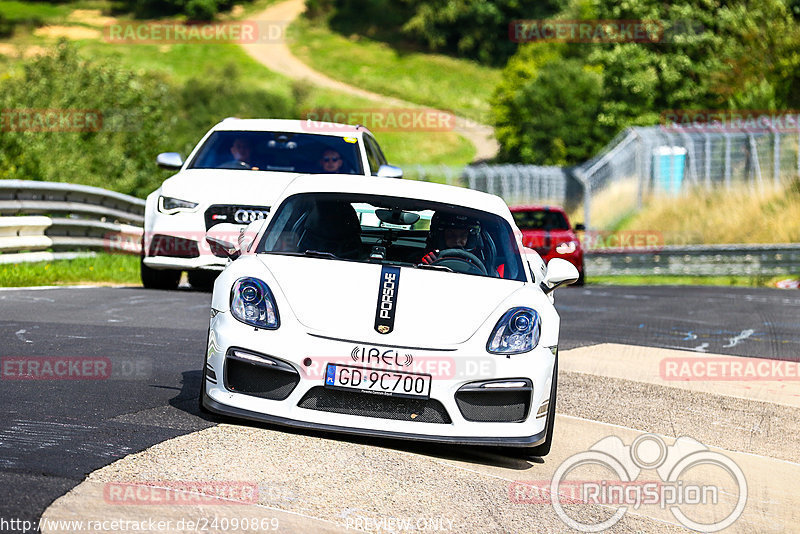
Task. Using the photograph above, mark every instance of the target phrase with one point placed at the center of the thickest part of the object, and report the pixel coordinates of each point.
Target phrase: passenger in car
(331, 161)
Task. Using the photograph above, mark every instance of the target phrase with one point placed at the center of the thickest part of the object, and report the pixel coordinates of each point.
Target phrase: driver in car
(450, 231)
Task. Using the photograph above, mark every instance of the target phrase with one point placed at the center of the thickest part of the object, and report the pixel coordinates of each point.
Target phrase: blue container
(668, 166)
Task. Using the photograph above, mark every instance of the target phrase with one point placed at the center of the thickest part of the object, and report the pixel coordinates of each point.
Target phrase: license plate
(382, 382)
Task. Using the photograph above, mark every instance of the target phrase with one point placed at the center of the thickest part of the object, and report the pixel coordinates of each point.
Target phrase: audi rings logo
(248, 216)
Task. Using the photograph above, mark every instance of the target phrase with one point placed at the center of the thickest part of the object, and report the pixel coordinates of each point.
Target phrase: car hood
(340, 299)
(227, 186)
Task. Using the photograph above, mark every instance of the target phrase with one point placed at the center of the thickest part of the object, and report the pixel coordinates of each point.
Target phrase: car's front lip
(512, 441)
(293, 344)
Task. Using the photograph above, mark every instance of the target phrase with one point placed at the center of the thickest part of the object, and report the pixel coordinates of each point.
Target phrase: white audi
(393, 308)
(233, 175)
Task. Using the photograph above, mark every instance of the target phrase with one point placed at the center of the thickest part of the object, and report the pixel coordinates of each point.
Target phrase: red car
(547, 230)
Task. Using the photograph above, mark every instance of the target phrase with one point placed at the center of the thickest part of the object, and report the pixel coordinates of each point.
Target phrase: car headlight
(174, 205)
(516, 332)
(253, 304)
(568, 247)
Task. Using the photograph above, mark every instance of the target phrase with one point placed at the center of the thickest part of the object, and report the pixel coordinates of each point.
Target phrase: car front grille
(224, 213)
(372, 405)
(260, 380)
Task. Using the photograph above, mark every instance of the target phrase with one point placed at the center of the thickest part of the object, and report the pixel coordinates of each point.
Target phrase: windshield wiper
(318, 254)
(308, 253)
(434, 267)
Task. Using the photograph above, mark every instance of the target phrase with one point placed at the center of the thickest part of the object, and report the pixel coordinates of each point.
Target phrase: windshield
(279, 151)
(540, 220)
(396, 231)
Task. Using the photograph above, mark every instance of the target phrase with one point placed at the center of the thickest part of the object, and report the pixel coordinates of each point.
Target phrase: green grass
(658, 280)
(440, 81)
(182, 62)
(103, 268)
(33, 12)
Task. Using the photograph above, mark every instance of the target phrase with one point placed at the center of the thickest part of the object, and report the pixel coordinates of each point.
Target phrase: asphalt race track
(53, 433)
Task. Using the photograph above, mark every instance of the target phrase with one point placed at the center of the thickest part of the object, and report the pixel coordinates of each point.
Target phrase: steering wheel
(462, 256)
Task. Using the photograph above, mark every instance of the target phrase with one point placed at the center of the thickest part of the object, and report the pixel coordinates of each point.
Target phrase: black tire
(203, 280)
(544, 449)
(581, 279)
(159, 279)
(202, 396)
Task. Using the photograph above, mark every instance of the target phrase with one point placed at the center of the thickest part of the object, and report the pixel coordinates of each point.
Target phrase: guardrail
(42, 221)
(700, 260)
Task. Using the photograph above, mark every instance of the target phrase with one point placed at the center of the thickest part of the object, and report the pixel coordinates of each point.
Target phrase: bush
(6, 28)
(193, 9)
(740, 55)
(143, 114)
(550, 119)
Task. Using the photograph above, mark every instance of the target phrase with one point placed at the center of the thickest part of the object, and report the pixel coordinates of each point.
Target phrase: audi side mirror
(171, 161)
(390, 171)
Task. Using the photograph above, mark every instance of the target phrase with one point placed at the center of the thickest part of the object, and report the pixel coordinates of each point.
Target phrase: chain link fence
(642, 162)
(663, 160)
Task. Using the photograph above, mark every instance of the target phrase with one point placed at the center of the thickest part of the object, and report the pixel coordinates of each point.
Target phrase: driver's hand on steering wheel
(430, 257)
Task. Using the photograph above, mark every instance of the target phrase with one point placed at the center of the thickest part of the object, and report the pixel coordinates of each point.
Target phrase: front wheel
(202, 280)
(581, 278)
(158, 279)
(544, 449)
(202, 397)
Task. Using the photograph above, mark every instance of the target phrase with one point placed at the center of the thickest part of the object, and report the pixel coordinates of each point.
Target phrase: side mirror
(559, 273)
(390, 171)
(248, 234)
(225, 238)
(171, 161)
(580, 227)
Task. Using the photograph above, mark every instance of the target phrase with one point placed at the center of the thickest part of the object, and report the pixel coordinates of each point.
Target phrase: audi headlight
(516, 332)
(568, 247)
(253, 304)
(174, 205)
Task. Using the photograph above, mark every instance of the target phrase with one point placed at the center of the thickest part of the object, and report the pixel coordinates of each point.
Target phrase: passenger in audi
(331, 161)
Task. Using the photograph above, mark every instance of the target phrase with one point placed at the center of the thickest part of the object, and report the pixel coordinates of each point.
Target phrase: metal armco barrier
(700, 260)
(39, 217)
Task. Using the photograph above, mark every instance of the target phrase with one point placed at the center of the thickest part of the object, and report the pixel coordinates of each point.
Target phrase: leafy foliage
(738, 55)
(142, 114)
(193, 9)
(474, 29)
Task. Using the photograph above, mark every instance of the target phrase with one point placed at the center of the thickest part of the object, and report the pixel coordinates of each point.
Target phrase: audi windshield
(279, 152)
(396, 231)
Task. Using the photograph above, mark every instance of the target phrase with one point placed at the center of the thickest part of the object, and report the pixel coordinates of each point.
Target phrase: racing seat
(333, 227)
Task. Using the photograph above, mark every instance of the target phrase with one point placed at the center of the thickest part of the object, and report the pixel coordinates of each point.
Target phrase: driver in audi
(449, 231)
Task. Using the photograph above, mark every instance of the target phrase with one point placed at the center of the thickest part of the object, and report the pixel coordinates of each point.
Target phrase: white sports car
(233, 176)
(394, 308)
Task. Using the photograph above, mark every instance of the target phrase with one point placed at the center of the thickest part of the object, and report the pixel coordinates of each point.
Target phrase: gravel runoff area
(312, 482)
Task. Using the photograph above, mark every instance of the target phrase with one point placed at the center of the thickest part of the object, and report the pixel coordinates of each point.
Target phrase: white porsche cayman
(391, 308)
